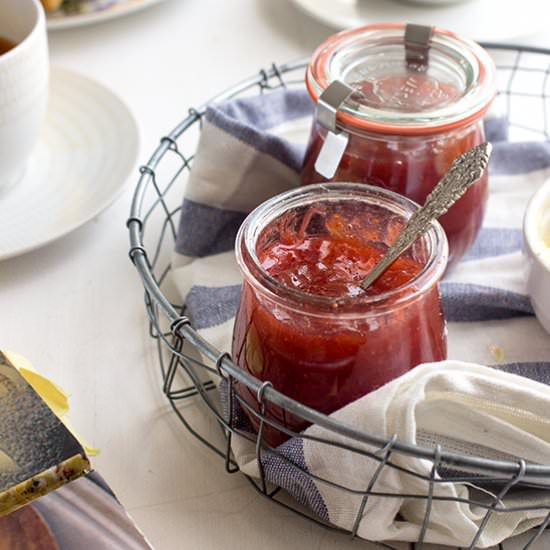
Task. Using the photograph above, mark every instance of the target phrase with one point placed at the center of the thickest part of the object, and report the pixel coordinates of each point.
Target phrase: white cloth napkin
(489, 413)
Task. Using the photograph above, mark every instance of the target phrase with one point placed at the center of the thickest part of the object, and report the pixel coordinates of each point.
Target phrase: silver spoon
(464, 172)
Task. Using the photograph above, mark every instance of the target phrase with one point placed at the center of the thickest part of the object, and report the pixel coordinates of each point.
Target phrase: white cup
(23, 85)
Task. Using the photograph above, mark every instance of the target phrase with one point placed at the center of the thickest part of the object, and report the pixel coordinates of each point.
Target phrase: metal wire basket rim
(138, 256)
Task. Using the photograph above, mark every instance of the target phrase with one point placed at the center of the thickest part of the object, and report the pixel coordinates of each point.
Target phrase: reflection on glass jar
(404, 122)
(305, 324)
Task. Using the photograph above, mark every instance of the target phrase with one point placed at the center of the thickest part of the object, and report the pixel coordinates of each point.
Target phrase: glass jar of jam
(396, 105)
(305, 324)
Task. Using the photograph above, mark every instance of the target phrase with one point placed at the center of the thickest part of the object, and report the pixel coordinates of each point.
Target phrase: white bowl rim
(533, 242)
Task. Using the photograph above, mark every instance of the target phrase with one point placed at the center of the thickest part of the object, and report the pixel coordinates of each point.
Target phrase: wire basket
(189, 363)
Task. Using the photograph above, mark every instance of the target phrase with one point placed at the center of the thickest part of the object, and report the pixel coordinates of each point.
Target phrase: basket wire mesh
(189, 363)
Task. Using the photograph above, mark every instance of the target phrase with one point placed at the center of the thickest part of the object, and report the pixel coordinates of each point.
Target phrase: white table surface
(74, 308)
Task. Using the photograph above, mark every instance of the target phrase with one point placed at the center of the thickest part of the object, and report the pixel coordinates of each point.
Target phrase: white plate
(87, 149)
(95, 11)
(482, 20)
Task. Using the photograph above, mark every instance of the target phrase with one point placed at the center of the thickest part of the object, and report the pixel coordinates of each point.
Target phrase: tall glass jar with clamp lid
(396, 104)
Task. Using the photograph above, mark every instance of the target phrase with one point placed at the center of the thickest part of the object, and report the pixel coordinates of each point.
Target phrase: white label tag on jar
(331, 154)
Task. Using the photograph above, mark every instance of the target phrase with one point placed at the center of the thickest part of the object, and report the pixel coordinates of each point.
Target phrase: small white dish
(536, 235)
(482, 20)
(96, 11)
(87, 149)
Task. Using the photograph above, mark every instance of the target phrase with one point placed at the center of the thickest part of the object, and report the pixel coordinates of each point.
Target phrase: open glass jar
(304, 323)
(396, 105)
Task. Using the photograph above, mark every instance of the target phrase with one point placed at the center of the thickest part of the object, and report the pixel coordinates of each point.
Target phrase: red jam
(333, 265)
(328, 354)
(412, 167)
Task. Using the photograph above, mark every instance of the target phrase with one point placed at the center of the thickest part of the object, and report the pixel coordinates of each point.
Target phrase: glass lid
(398, 88)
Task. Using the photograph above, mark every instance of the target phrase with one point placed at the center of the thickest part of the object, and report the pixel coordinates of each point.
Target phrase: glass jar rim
(262, 215)
(469, 107)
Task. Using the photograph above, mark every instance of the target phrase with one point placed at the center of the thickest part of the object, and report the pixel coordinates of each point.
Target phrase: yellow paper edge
(51, 393)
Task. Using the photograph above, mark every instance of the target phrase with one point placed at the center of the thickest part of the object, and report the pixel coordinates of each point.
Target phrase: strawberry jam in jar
(305, 324)
(396, 104)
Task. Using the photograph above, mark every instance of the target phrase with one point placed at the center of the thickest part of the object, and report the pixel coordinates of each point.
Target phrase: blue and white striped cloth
(251, 149)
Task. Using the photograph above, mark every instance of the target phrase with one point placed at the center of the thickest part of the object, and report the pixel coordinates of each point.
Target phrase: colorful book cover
(37, 452)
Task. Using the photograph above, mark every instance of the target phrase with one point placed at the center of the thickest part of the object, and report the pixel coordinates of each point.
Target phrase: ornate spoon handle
(464, 172)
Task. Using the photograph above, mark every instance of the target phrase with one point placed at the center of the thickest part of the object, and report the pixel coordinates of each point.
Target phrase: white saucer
(87, 149)
(482, 20)
(95, 11)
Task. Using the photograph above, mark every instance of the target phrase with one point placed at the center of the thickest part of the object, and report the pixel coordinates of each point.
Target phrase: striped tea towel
(251, 149)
